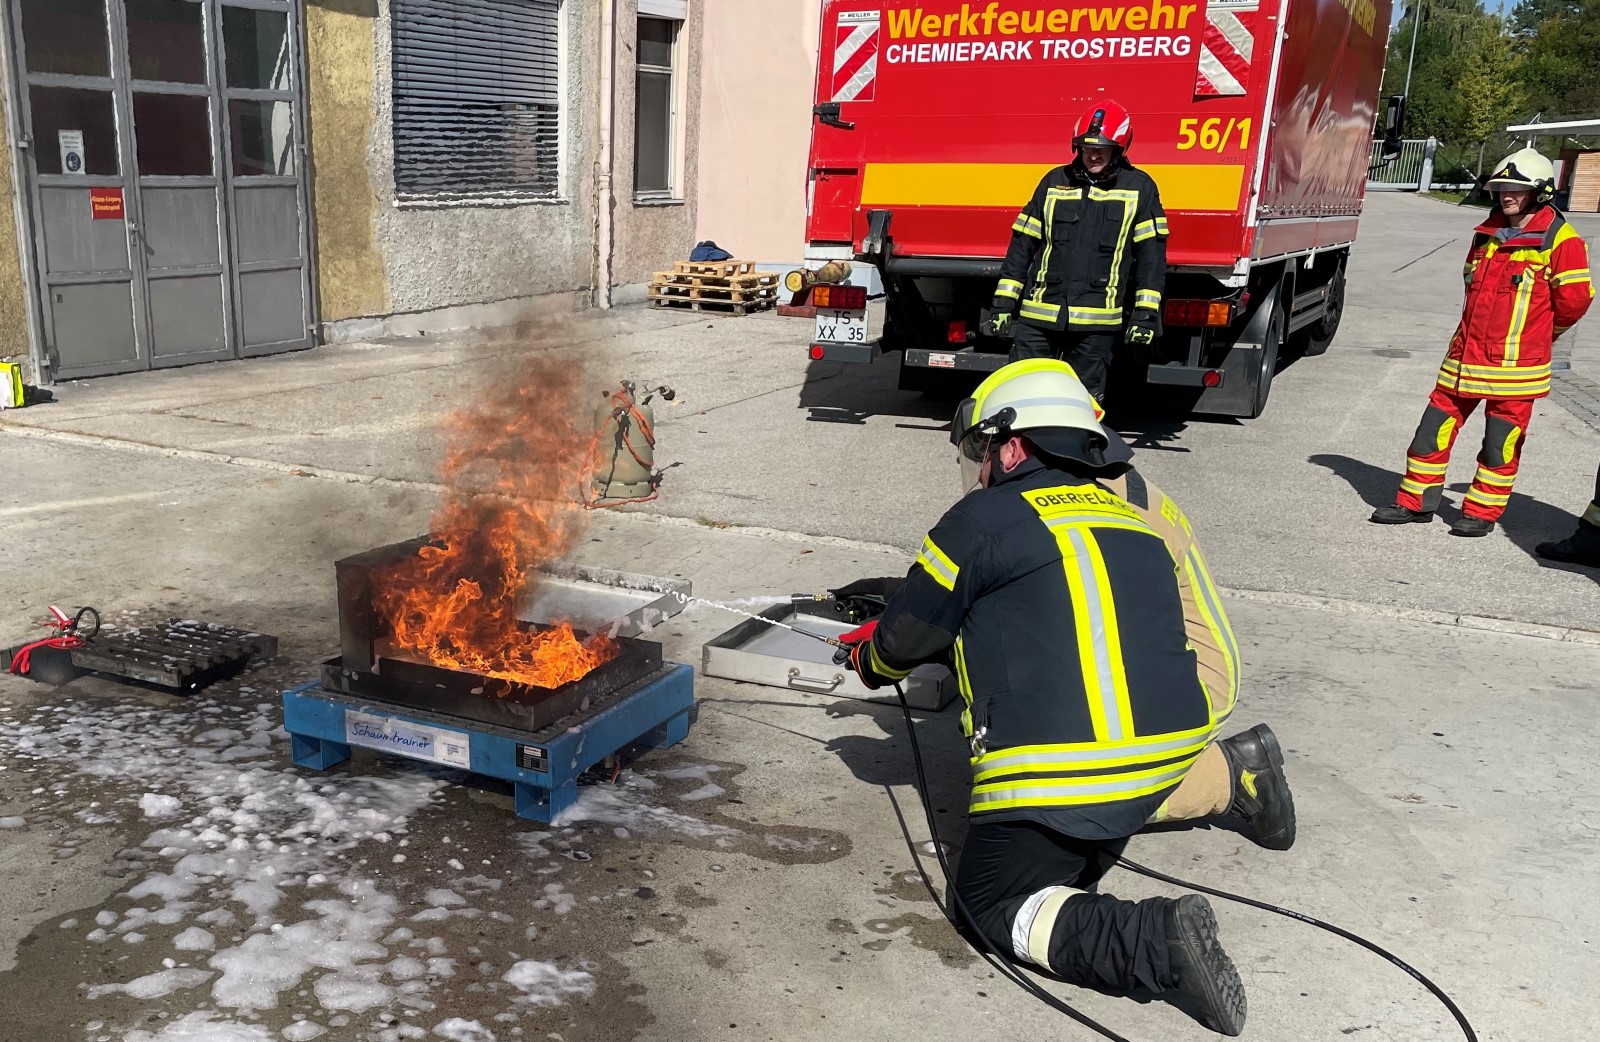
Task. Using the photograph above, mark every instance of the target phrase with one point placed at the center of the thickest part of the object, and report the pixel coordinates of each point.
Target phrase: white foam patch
(624, 805)
(156, 805)
(204, 1026)
(303, 1031)
(154, 985)
(546, 984)
(704, 792)
(195, 939)
(457, 1029)
(13, 822)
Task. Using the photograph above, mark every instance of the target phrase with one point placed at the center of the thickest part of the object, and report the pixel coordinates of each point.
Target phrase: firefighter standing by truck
(1075, 617)
(1528, 281)
(1088, 255)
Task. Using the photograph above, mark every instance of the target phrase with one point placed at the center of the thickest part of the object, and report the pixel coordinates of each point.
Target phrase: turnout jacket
(1083, 254)
(1525, 287)
(1066, 613)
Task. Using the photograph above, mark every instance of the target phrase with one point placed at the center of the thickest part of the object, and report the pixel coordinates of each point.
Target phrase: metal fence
(1404, 173)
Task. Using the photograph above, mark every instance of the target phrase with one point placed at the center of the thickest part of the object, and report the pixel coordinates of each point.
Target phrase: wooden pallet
(682, 278)
(736, 307)
(740, 294)
(727, 267)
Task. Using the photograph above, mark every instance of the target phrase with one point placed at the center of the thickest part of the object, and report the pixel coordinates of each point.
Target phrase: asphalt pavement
(165, 873)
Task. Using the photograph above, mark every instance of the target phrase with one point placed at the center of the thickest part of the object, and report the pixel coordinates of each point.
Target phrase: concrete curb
(1569, 634)
(1482, 623)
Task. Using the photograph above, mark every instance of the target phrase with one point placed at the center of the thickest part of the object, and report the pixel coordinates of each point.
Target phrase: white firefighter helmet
(1043, 400)
(1524, 170)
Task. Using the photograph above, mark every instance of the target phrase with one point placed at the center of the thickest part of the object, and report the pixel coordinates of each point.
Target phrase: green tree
(1491, 88)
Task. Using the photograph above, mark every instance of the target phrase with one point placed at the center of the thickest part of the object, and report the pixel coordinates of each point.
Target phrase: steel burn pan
(487, 700)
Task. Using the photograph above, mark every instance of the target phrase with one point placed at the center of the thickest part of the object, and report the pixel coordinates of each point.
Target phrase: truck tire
(1315, 339)
(1269, 363)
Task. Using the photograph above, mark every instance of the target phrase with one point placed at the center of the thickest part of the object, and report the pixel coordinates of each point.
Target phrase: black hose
(1008, 968)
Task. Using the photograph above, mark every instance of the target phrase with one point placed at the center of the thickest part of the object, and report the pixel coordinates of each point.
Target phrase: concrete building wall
(13, 291)
(755, 119)
(487, 262)
(652, 235)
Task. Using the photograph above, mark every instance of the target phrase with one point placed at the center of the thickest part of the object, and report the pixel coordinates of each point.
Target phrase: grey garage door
(163, 155)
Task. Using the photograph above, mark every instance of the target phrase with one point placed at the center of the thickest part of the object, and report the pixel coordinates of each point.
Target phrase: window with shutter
(477, 97)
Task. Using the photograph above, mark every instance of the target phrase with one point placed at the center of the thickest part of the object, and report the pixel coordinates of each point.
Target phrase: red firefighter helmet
(1105, 124)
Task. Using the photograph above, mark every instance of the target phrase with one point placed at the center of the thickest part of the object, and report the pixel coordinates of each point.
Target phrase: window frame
(558, 192)
(673, 192)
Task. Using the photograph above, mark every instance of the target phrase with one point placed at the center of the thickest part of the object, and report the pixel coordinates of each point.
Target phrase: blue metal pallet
(542, 766)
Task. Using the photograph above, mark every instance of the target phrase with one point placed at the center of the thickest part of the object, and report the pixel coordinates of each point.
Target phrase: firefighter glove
(999, 324)
(1141, 327)
(866, 598)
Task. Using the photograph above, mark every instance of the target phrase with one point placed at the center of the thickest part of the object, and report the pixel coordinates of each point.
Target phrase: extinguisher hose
(1003, 964)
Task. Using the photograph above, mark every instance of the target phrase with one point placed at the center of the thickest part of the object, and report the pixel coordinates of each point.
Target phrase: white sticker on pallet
(417, 741)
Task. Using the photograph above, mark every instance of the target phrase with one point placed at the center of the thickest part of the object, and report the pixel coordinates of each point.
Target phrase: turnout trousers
(1089, 354)
(1505, 429)
(1027, 888)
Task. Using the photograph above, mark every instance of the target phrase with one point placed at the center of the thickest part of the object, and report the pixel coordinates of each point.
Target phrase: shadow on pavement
(846, 392)
(1527, 522)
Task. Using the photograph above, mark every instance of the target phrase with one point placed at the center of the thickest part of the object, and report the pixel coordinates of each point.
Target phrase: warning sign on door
(71, 142)
(106, 203)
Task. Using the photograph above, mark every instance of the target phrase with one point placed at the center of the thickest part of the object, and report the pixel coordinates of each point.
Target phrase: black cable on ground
(1009, 969)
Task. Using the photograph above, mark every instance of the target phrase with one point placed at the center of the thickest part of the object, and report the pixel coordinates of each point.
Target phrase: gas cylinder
(625, 452)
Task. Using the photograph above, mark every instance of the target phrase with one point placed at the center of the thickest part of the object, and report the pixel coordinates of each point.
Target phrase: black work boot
(1394, 515)
(1472, 527)
(1201, 969)
(1581, 547)
(1260, 790)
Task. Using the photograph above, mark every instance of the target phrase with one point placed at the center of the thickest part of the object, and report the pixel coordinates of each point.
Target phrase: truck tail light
(844, 298)
(817, 352)
(1198, 313)
(957, 333)
(1211, 378)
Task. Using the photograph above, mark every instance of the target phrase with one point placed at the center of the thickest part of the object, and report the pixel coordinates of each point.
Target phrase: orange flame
(514, 470)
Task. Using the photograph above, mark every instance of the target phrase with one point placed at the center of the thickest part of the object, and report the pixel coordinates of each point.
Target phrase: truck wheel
(1314, 339)
(1269, 363)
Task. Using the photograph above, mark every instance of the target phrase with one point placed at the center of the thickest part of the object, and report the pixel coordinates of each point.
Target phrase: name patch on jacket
(1052, 500)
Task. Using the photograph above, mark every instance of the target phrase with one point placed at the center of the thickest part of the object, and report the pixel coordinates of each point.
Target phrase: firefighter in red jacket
(1528, 282)
(1088, 255)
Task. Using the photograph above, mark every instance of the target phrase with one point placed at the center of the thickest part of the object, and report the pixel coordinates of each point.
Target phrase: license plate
(841, 327)
(941, 360)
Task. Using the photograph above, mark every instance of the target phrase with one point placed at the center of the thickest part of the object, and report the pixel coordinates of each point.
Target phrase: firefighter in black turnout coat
(1088, 256)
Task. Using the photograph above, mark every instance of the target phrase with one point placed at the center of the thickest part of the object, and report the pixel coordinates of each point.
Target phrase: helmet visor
(972, 451)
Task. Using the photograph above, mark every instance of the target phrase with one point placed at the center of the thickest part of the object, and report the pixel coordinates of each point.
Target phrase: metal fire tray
(486, 700)
(592, 599)
(760, 654)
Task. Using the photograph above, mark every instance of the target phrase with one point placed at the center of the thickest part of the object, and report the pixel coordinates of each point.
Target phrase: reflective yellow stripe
(1419, 467)
(1094, 316)
(1144, 230)
(1561, 278)
(1081, 756)
(964, 684)
(1063, 792)
(1147, 298)
(1161, 226)
(938, 564)
(1591, 513)
(1417, 488)
(1040, 310)
(1129, 200)
(1488, 477)
(1519, 319)
(1488, 499)
(882, 668)
(1008, 288)
(1028, 226)
(1099, 642)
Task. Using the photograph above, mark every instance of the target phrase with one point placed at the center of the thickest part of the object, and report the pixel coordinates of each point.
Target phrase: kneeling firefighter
(1097, 668)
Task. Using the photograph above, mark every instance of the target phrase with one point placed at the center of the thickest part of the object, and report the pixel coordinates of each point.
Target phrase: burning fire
(515, 467)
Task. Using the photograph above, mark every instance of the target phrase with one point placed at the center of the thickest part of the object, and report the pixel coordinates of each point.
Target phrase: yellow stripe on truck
(1184, 186)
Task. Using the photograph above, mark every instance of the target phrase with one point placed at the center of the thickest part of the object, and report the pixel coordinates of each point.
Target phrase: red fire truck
(935, 119)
